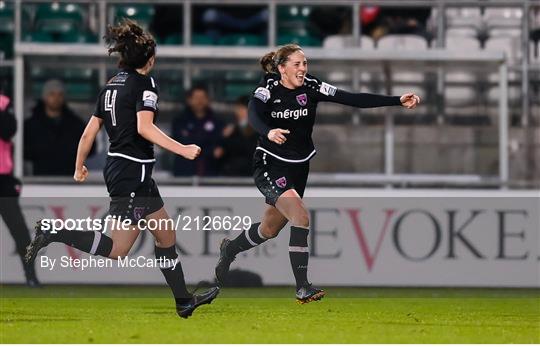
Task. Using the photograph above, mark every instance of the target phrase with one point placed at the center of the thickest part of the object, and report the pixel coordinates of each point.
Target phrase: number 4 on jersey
(109, 104)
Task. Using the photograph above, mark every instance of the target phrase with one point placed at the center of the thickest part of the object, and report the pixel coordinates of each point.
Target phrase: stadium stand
(468, 91)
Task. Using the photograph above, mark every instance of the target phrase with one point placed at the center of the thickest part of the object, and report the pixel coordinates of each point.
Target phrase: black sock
(299, 254)
(174, 277)
(246, 240)
(93, 242)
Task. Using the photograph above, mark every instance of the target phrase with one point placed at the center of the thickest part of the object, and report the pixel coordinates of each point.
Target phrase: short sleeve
(146, 95)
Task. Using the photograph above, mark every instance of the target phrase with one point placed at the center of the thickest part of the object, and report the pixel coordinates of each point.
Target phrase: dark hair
(196, 87)
(242, 100)
(134, 45)
(270, 61)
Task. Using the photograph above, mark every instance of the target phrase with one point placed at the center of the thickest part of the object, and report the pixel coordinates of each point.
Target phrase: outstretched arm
(147, 129)
(85, 146)
(361, 100)
(327, 92)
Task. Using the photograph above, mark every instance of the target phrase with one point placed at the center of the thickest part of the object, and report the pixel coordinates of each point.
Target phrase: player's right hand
(277, 135)
(80, 174)
(190, 152)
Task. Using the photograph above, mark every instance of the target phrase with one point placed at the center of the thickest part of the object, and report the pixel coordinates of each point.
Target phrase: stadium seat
(234, 90)
(58, 18)
(503, 17)
(509, 45)
(201, 40)
(174, 39)
(81, 84)
(462, 40)
(38, 37)
(241, 40)
(7, 25)
(293, 20)
(76, 37)
(343, 41)
(305, 40)
(142, 14)
(402, 42)
(463, 17)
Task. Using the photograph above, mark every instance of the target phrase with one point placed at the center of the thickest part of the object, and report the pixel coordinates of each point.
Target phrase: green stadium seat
(298, 39)
(293, 20)
(202, 40)
(235, 90)
(7, 21)
(81, 84)
(58, 18)
(242, 40)
(38, 37)
(175, 39)
(76, 37)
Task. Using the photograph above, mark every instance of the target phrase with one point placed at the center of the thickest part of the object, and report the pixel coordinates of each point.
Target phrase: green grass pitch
(135, 314)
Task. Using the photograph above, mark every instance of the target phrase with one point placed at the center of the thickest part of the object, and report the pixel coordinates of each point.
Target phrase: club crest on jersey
(281, 182)
(138, 212)
(302, 99)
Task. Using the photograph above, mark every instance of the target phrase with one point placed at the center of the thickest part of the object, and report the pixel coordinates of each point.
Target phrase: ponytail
(267, 62)
(270, 61)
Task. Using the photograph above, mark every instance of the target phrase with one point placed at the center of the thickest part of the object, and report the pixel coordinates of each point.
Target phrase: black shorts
(134, 194)
(274, 177)
(10, 186)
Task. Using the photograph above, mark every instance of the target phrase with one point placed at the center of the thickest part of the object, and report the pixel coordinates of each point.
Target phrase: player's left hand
(409, 100)
(80, 174)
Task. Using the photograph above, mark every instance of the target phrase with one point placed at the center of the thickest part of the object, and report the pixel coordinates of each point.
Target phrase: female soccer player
(128, 106)
(282, 110)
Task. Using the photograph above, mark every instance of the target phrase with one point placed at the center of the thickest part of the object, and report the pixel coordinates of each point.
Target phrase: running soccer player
(282, 110)
(128, 107)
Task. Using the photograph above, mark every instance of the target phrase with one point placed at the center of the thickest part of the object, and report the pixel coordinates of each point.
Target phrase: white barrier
(358, 237)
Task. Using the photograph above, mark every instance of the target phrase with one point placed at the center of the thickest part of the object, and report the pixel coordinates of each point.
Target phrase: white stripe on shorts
(143, 171)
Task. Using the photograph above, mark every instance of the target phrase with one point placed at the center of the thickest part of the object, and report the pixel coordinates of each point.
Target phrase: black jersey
(119, 101)
(274, 106)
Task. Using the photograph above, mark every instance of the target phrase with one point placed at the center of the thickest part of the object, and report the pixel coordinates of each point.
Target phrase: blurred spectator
(380, 21)
(239, 142)
(10, 188)
(51, 134)
(199, 126)
(217, 21)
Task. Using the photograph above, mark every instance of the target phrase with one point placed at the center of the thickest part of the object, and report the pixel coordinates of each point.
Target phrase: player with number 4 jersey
(128, 107)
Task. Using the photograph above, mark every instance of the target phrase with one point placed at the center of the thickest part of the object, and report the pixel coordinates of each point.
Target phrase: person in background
(239, 142)
(10, 189)
(379, 21)
(52, 133)
(198, 125)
